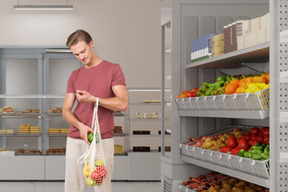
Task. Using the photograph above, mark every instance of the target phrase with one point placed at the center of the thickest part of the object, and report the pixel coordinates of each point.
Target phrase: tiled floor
(59, 187)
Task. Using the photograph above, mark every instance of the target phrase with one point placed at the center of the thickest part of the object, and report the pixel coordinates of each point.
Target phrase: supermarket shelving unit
(193, 19)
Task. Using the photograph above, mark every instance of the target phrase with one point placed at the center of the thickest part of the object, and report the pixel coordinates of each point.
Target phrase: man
(96, 78)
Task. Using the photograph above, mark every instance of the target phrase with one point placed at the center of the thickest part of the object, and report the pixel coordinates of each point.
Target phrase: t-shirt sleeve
(70, 84)
(118, 76)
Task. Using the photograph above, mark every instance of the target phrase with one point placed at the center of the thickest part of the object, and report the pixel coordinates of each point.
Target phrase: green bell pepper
(256, 156)
(265, 156)
(256, 151)
(267, 149)
(255, 147)
(247, 154)
(221, 78)
(241, 152)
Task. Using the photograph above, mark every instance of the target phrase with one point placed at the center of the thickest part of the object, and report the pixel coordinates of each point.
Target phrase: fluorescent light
(58, 51)
(44, 7)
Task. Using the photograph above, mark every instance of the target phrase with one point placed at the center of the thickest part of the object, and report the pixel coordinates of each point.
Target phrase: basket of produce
(238, 92)
(244, 149)
(215, 182)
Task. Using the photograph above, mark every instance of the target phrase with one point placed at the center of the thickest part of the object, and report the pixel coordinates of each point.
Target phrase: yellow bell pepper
(88, 170)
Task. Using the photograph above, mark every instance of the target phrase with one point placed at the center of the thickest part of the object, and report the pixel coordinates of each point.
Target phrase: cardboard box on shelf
(240, 42)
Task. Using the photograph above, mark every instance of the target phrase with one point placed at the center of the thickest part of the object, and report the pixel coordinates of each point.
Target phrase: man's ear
(91, 44)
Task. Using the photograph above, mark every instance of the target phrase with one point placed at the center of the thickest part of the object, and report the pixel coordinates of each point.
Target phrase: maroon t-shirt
(98, 81)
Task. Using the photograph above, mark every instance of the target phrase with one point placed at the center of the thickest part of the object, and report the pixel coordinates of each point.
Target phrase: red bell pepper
(266, 139)
(235, 151)
(225, 149)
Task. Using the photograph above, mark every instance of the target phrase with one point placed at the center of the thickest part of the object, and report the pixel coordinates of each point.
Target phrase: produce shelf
(182, 188)
(233, 173)
(226, 114)
(258, 53)
(242, 164)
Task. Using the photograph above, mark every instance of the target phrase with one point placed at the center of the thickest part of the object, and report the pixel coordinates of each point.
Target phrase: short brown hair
(78, 35)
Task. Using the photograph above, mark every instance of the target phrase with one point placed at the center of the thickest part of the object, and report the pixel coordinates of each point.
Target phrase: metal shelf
(21, 115)
(21, 135)
(57, 134)
(119, 134)
(258, 53)
(226, 114)
(227, 171)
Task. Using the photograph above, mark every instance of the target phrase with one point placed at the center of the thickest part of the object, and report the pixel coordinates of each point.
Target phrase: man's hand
(85, 97)
(84, 130)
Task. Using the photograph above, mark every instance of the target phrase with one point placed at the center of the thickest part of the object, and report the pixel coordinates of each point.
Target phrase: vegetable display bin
(219, 102)
(202, 103)
(184, 149)
(180, 103)
(210, 103)
(259, 100)
(229, 102)
(194, 103)
(241, 102)
(262, 168)
(225, 160)
(235, 163)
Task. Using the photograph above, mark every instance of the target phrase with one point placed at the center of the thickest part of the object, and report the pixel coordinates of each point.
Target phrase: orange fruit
(234, 81)
(243, 84)
(230, 88)
(249, 79)
(259, 79)
(240, 90)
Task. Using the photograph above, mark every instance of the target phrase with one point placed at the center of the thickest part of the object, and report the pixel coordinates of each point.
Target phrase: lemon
(266, 86)
(248, 91)
(253, 87)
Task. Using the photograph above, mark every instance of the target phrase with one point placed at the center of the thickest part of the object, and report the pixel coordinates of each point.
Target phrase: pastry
(8, 109)
(35, 111)
(50, 111)
(1, 110)
(28, 110)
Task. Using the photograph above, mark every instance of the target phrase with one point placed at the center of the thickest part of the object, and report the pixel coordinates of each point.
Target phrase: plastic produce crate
(219, 102)
(207, 154)
(247, 101)
(210, 103)
(194, 103)
(241, 102)
(202, 103)
(259, 100)
(180, 103)
(235, 163)
(184, 149)
(262, 168)
(229, 102)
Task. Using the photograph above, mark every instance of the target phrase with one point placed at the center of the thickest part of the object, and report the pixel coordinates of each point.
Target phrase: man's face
(83, 51)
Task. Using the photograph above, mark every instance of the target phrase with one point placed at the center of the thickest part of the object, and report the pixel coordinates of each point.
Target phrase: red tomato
(255, 130)
(242, 144)
(231, 142)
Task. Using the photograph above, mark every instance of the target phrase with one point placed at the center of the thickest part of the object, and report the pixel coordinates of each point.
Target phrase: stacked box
(231, 34)
(217, 45)
(201, 48)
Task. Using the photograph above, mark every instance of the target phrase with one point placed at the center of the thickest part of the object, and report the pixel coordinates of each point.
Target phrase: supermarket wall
(125, 32)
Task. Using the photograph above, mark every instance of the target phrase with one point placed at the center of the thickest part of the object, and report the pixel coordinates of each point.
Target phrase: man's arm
(71, 119)
(117, 103)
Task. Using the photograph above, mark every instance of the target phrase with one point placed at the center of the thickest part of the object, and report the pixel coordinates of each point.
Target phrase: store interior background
(125, 32)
